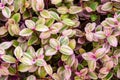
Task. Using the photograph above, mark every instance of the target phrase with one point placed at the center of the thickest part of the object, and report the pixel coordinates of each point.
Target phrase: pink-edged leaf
(18, 52)
(64, 49)
(90, 27)
(2, 51)
(48, 69)
(45, 35)
(109, 65)
(104, 70)
(100, 35)
(89, 56)
(40, 5)
(54, 43)
(30, 24)
(31, 77)
(40, 62)
(67, 73)
(4, 71)
(6, 45)
(89, 36)
(50, 51)
(112, 41)
(100, 53)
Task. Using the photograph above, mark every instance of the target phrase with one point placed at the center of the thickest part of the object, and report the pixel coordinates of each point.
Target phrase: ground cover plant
(59, 39)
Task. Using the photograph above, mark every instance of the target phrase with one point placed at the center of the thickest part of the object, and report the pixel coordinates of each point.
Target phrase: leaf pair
(60, 44)
(32, 26)
(93, 57)
(31, 57)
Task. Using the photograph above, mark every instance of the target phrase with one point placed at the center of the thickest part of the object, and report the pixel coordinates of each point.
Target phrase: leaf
(112, 41)
(6, 12)
(45, 35)
(109, 76)
(8, 59)
(104, 70)
(72, 43)
(107, 6)
(41, 28)
(24, 67)
(56, 1)
(40, 5)
(68, 22)
(64, 40)
(92, 65)
(4, 71)
(93, 17)
(2, 51)
(94, 5)
(75, 9)
(6, 45)
(100, 53)
(18, 52)
(45, 14)
(30, 24)
(16, 17)
(54, 43)
(50, 51)
(93, 75)
(62, 10)
(54, 15)
(89, 56)
(26, 61)
(64, 49)
(33, 39)
(90, 27)
(40, 62)
(48, 69)
(41, 72)
(39, 52)
(16, 5)
(31, 77)
(25, 32)
(100, 35)
(71, 60)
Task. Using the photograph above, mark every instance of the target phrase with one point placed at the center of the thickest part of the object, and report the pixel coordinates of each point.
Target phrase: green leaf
(54, 15)
(33, 39)
(8, 59)
(93, 75)
(49, 22)
(24, 67)
(16, 17)
(41, 72)
(41, 28)
(93, 17)
(25, 32)
(68, 22)
(93, 5)
(6, 12)
(45, 14)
